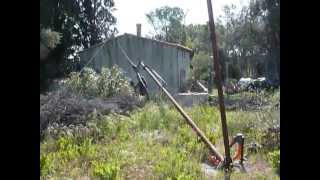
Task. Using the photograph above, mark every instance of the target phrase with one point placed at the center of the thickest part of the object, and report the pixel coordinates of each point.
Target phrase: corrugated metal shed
(171, 61)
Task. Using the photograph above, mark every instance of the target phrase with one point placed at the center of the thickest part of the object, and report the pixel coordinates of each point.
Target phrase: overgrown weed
(152, 143)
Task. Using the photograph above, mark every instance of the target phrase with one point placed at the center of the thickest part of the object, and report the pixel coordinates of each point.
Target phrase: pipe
(186, 117)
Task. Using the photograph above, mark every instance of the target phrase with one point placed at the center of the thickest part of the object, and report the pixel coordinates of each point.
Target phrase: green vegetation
(200, 63)
(50, 38)
(249, 39)
(68, 26)
(152, 143)
(251, 176)
(108, 83)
(105, 170)
(274, 158)
(167, 24)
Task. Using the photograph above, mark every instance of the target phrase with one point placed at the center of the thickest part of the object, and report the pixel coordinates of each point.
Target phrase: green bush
(50, 38)
(46, 163)
(200, 63)
(67, 150)
(153, 143)
(112, 81)
(184, 177)
(108, 83)
(83, 84)
(87, 148)
(175, 164)
(105, 170)
(154, 117)
(274, 159)
(115, 126)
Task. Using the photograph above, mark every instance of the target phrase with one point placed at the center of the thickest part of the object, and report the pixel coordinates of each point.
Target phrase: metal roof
(157, 41)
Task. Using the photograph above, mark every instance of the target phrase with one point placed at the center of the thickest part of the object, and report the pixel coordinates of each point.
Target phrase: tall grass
(152, 143)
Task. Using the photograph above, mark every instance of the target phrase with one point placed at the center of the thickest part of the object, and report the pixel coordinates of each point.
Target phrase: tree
(48, 40)
(251, 38)
(198, 38)
(168, 25)
(200, 64)
(271, 11)
(81, 23)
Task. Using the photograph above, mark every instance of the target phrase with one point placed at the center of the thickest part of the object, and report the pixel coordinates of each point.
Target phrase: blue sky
(131, 12)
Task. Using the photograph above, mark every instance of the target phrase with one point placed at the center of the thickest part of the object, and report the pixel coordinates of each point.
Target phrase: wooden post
(210, 82)
(217, 69)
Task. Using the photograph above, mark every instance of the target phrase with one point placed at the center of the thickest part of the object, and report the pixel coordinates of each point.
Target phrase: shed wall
(168, 61)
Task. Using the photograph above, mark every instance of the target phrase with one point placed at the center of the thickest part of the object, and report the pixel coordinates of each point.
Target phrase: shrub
(274, 159)
(105, 170)
(271, 138)
(50, 38)
(174, 164)
(46, 164)
(82, 94)
(184, 177)
(110, 82)
(200, 64)
(153, 143)
(87, 148)
(83, 84)
(113, 126)
(67, 150)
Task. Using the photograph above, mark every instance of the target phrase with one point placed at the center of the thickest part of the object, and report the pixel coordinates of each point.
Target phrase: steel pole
(217, 70)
